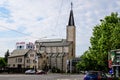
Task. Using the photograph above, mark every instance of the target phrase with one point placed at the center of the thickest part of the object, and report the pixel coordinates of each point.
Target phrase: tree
(6, 56)
(2, 62)
(106, 36)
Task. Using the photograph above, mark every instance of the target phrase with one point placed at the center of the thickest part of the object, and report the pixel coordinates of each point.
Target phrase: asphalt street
(41, 77)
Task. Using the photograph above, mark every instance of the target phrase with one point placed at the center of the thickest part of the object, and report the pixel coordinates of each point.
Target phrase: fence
(13, 70)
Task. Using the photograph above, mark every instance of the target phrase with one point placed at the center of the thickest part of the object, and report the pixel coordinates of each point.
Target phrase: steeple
(71, 17)
(71, 33)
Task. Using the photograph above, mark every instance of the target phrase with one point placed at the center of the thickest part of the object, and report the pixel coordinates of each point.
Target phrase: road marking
(66, 79)
(63, 79)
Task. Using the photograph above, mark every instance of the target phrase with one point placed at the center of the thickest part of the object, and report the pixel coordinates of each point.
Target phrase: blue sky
(47, 19)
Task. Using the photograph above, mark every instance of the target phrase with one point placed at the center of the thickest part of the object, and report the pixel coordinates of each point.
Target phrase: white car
(30, 71)
(41, 72)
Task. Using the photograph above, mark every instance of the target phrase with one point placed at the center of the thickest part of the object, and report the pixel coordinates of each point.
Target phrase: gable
(17, 52)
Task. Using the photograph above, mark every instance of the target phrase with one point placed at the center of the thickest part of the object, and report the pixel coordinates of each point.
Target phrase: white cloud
(118, 2)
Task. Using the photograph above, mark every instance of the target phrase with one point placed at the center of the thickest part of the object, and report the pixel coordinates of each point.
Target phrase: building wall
(70, 33)
(15, 61)
(27, 61)
(11, 62)
(31, 60)
(48, 50)
(42, 61)
(65, 58)
(37, 47)
(53, 49)
(71, 53)
(54, 61)
(59, 61)
(66, 49)
(60, 49)
(71, 36)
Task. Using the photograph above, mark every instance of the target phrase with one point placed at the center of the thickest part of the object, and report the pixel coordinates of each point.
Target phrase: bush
(55, 70)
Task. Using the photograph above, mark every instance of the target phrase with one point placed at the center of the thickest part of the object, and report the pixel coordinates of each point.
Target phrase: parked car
(41, 72)
(96, 75)
(31, 71)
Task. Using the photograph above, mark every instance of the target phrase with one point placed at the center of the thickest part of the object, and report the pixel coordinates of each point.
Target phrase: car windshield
(92, 73)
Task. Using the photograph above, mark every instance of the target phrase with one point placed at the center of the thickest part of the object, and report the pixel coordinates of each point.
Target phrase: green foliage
(106, 36)
(55, 70)
(2, 62)
(6, 56)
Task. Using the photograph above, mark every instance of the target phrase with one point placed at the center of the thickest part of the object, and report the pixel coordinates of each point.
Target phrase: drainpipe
(24, 61)
(62, 63)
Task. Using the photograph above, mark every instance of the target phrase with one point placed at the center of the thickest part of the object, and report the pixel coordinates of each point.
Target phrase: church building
(56, 53)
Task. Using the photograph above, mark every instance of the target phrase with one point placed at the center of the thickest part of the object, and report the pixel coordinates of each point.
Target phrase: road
(41, 77)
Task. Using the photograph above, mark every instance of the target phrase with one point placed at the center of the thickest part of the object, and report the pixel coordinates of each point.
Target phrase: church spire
(71, 17)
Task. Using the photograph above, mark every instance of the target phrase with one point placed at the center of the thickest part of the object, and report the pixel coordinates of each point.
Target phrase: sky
(30, 20)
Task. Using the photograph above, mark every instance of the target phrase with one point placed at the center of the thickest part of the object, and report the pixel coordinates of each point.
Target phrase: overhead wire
(17, 31)
(59, 12)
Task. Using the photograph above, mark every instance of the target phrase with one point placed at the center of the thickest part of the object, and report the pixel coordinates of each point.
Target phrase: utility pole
(71, 66)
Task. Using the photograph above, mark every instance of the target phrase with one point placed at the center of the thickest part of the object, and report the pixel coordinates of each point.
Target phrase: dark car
(95, 75)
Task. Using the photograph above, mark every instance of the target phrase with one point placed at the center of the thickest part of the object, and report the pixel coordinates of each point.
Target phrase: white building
(24, 45)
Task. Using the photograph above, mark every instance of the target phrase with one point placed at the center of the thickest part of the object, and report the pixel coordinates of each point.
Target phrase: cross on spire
(71, 17)
(71, 5)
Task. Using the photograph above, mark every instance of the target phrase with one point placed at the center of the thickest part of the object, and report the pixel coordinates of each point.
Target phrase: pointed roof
(20, 52)
(71, 17)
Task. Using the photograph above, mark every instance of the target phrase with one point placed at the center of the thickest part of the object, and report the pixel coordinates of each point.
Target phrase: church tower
(71, 31)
